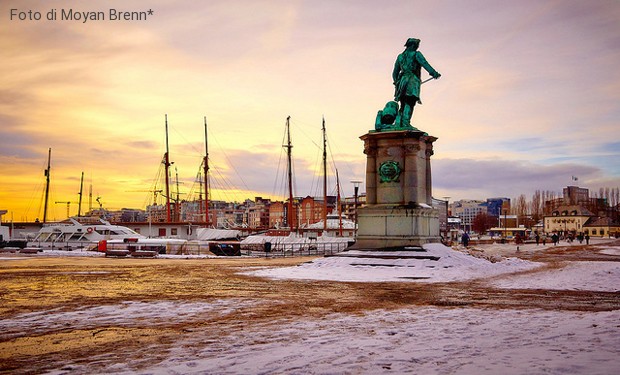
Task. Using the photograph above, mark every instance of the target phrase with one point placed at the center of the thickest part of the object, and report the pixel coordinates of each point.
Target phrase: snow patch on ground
(124, 314)
(424, 340)
(610, 251)
(373, 266)
(595, 276)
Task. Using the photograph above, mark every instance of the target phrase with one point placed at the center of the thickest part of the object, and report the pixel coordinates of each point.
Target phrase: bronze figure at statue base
(398, 210)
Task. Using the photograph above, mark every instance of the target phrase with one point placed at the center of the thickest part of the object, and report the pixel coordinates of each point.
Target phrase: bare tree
(607, 196)
(521, 206)
(537, 206)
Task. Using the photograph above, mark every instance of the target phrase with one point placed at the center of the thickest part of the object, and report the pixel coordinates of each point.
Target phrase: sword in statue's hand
(426, 80)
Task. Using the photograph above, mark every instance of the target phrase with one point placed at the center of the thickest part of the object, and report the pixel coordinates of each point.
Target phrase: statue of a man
(406, 76)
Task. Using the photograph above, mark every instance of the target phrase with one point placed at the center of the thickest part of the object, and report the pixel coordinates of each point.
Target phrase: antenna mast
(47, 184)
(339, 205)
(289, 166)
(167, 169)
(80, 194)
(206, 175)
(324, 177)
(177, 206)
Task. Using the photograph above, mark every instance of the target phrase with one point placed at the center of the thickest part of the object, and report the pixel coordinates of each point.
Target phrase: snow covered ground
(380, 266)
(425, 340)
(416, 339)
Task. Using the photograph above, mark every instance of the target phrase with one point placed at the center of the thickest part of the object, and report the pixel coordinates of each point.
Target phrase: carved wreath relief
(389, 171)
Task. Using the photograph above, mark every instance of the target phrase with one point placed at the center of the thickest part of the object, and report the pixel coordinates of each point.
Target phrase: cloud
(481, 179)
(530, 85)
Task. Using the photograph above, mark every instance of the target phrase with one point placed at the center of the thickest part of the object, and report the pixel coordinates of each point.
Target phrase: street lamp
(505, 217)
(356, 188)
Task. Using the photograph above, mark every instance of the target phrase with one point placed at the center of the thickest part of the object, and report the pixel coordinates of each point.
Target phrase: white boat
(80, 232)
(333, 222)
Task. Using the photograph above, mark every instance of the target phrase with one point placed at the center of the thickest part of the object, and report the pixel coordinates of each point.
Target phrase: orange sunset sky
(529, 95)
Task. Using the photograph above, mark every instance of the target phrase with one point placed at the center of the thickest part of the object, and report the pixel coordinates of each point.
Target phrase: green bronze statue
(407, 82)
(406, 76)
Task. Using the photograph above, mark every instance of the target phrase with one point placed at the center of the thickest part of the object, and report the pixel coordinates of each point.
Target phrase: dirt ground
(71, 283)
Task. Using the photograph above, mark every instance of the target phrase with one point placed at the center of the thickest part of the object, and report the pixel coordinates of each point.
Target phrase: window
(173, 231)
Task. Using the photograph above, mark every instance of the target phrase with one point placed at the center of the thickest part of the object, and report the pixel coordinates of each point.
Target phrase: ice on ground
(372, 266)
(594, 276)
(127, 313)
(423, 340)
(419, 340)
(610, 251)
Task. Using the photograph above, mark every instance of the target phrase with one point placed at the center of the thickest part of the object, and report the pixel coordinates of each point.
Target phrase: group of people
(555, 239)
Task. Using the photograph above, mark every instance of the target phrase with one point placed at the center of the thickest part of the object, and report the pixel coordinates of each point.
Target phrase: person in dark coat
(465, 239)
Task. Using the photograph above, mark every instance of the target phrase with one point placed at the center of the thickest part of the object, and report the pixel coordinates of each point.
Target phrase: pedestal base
(396, 226)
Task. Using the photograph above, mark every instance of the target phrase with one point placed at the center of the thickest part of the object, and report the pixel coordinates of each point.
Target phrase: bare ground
(68, 284)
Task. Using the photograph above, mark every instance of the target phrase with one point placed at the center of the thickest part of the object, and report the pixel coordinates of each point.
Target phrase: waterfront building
(567, 219)
(467, 210)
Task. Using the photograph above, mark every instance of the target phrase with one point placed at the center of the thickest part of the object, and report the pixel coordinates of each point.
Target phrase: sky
(529, 96)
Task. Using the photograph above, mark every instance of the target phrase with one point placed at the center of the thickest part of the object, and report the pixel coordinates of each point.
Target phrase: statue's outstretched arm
(420, 57)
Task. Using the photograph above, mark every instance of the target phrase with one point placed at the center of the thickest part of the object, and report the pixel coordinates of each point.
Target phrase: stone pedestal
(398, 210)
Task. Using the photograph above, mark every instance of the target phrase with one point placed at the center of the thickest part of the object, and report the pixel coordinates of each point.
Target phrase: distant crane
(67, 203)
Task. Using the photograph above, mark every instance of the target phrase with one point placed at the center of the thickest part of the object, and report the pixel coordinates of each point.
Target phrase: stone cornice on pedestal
(399, 134)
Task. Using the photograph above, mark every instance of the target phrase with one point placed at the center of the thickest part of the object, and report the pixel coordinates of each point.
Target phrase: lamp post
(356, 188)
(505, 218)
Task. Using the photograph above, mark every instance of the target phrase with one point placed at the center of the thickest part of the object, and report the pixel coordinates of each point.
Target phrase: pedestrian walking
(465, 239)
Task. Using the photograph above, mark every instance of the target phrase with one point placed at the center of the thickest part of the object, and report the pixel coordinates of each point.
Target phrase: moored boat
(79, 233)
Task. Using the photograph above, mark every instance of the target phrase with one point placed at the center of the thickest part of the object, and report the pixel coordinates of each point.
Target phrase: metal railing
(275, 250)
(63, 245)
(282, 250)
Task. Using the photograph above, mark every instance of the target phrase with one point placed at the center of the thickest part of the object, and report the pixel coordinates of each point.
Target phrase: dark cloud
(611, 147)
(479, 179)
(15, 143)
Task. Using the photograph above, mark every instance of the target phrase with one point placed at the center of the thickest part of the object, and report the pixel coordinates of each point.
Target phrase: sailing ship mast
(339, 205)
(47, 184)
(80, 194)
(206, 175)
(167, 171)
(289, 166)
(177, 200)
(324, 177)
